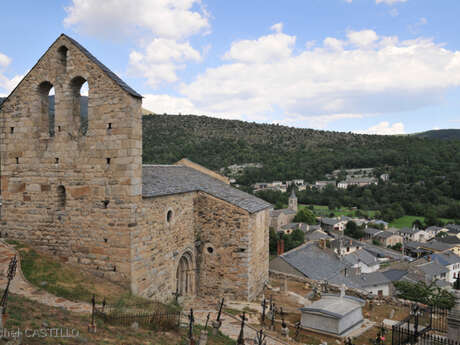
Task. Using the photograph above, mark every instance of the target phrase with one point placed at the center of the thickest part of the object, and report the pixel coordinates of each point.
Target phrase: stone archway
(185, 275)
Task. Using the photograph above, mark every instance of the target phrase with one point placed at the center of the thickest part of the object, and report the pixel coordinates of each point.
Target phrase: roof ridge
(104, 68)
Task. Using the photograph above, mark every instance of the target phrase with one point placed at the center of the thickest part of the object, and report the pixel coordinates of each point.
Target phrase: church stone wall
(259, 252)
(158, 244)
(234, 247)
(93, 226)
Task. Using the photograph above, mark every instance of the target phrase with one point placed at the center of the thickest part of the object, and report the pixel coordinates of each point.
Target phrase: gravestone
(333, 314)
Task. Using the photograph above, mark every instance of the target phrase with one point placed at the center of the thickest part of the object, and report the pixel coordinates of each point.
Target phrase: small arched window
(80, 93)
(47, 100)
(169, 216)
(61, 197)
(62, 58)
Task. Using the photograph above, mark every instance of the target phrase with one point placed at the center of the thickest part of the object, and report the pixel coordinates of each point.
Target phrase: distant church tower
(293, 201)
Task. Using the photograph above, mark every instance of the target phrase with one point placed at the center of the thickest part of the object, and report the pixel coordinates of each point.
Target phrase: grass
(406, 221)
(68, 281)
(24, 314)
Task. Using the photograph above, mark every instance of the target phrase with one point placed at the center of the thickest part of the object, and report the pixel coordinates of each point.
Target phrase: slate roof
(316, 235)
(453, 240)
(436, 245)
(395, 274)
(370, 279)
(453, 228)
(371, 231)
(407, 231)
(444, 259)
(276, 213)
(432, 269)
(318, 264)
(385, 234)
(160, 180)
(361, 255)
(329, 221)
(1, 100)
(106, 70)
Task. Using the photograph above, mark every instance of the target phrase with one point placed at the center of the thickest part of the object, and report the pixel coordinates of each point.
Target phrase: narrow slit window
(61, 197)
(56, 160)
(17, 160)
(108, 161)
(11, 130)
(48, 99)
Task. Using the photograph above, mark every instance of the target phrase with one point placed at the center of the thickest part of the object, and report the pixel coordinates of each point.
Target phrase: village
(121, 226)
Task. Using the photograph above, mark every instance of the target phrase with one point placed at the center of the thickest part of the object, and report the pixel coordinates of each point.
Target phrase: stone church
(74, 185)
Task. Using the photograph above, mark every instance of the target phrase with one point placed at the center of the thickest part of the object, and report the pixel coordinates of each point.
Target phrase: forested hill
(444, 134)
(288, 152)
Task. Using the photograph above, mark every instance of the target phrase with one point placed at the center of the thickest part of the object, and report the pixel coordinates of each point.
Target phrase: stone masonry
(77, 190)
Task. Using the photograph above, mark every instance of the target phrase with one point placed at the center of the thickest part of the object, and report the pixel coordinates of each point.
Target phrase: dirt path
(21, 286)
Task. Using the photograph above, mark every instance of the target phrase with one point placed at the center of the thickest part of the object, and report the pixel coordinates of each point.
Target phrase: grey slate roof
(276, 213)
(395, 274)
(445, 259)
(370, 279)
(316, 235)
(432, 269)
(361, 255)
(106, 70)
(329, 221)
(372, 231)
(453, 228)
(160, 180)
(318, 264)
(384, 234)
(1, 100)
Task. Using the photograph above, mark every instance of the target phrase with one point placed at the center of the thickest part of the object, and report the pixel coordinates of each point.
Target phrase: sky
(366, 66)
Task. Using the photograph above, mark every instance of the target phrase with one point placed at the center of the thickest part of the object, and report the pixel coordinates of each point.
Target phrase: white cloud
(384, 128)
(161, 59)
(268, 48)
(160, 104)
(361, 74)
(114, 18)
(7, 85)
(161, 29)
(362, 38)
(388, 2)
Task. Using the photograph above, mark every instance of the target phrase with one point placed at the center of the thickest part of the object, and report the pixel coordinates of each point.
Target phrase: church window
(62, 58)
(169, 216)
(47, 100)
(80, 105)
(61, 197)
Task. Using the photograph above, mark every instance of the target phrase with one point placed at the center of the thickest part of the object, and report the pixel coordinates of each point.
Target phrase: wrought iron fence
(424, 326)
(151, 315)
(408, 337)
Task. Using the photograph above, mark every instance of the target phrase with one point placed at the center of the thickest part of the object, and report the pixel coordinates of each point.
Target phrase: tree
(273, 241)
(426, 294)
(417, 224)
(304, 215)
(354, 230)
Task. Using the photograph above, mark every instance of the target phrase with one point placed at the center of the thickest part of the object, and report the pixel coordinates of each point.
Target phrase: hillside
(286, 152)
(443, 134)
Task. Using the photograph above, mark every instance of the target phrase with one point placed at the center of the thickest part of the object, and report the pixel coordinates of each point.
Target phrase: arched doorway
(185, 275)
